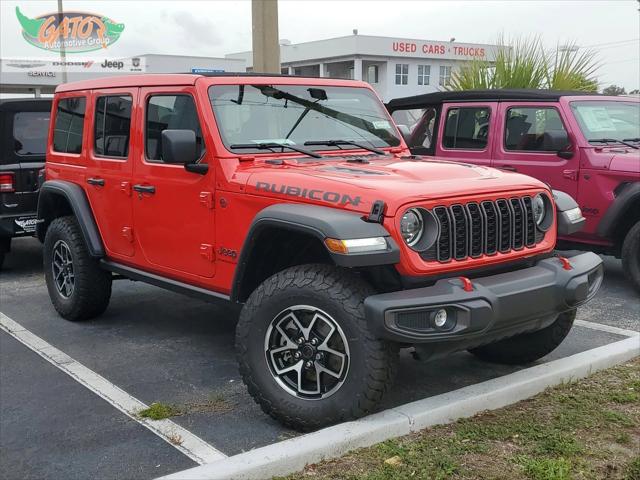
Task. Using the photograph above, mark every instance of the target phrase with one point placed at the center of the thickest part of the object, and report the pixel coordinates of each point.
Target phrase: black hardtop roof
(435, 98)
(25, 104)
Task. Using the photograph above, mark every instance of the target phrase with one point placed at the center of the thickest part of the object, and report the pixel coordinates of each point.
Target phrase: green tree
(614, 90)
(524, 63)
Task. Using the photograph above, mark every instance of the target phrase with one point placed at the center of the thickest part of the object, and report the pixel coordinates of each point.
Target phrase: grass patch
(580, 430)
(159, 411)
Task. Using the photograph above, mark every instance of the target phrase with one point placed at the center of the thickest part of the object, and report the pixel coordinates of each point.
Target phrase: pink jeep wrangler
(586, 145)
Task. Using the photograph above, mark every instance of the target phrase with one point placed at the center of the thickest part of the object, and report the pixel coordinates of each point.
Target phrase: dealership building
(395, 67)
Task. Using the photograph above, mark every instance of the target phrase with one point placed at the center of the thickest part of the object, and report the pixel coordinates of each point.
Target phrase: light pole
(266, 48)
(63, 53)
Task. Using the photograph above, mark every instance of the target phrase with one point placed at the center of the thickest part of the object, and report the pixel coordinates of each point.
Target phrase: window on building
(30, 131)
(532, 129)
(466, 128)
(170, 112)
(445, 75)
(424, 74)
(67, 131)
(402, 73)
(112, 126)
(372, 74)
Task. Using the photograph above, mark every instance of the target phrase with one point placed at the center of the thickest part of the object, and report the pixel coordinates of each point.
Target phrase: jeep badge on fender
(297, 199)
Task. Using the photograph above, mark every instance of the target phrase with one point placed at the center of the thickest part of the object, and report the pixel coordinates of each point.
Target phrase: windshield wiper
(273, 145)
(613, 140)
(631, 139)
(337, 143)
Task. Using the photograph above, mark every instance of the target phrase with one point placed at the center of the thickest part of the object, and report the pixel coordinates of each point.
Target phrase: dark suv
(24, 124)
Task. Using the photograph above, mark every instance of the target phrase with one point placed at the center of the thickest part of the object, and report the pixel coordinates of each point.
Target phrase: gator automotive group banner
(73, 31)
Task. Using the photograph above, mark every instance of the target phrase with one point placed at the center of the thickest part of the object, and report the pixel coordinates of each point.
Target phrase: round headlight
(539, 208)
(411, 226)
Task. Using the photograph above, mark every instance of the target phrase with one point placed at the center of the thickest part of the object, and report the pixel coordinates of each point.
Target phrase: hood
(626, 161)
(395, 180)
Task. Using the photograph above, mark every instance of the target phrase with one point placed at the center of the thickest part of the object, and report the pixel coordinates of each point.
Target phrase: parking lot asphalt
(160, 346)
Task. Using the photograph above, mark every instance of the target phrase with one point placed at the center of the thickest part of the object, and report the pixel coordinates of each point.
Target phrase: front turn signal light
(356, 245)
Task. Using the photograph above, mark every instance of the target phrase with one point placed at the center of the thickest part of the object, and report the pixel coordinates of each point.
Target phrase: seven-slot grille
(483, 228)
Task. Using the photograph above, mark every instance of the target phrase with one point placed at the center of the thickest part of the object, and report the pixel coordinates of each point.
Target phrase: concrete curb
(292, 455)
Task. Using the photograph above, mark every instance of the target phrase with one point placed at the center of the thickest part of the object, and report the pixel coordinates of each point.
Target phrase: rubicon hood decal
(310, 193)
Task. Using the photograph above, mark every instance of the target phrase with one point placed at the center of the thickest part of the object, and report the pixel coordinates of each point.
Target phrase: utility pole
(266, 47)
(63, 52)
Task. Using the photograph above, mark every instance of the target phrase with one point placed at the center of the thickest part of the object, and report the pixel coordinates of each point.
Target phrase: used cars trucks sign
(74, 31)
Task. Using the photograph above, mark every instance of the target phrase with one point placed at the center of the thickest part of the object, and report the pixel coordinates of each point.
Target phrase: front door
(173, 208)
(524, 145)
(109, 167)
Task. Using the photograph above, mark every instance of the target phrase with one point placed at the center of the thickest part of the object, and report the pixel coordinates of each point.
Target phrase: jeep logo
(110, 64)
(313, 194)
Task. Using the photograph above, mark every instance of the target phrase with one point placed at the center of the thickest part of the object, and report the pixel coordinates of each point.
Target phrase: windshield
(295, 114)
(608, 120)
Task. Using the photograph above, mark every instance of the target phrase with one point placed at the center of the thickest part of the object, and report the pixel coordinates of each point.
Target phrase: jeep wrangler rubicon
(24, 124)
(583, 144)
(297, 198)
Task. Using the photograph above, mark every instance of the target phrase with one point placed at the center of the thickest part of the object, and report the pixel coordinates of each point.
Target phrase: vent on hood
(352, 171)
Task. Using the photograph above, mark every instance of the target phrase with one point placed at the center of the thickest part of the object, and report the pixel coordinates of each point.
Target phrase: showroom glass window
(445, 75)
(112, 126)
(466, 128)
(402, 73)
(67, 132)
(170, 112)
(531, 129)
(30, 131)
(424, 74)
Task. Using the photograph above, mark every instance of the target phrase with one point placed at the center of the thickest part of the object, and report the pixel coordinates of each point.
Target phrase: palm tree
(524, 63)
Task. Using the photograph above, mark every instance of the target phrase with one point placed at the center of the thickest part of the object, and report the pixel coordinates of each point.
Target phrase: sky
(216, 27)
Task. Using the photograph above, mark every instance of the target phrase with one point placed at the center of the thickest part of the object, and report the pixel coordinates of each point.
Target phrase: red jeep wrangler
(297, 198)
(586, 145)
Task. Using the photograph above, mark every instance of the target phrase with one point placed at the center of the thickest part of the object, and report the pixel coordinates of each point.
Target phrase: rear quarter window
(69, 126)
(30, 131)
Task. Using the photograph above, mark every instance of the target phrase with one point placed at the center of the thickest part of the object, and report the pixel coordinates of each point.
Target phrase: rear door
(522, 146)
(24, 128)
(110, 165)
(465, 132)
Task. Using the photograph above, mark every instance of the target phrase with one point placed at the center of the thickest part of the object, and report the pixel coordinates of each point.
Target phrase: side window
(419, 122)
(466, 128)
(112, 126)
(30, 131)
(532, 129)
(67, 132)
(169, 112)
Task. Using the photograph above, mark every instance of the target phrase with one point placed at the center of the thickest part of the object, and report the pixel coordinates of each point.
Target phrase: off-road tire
(92, 289)
(341, 294)
(631, 255)
(528, 347)
(5, 247)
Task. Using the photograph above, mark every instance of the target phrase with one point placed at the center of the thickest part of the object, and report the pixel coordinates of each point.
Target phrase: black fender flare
(77, 199)
(321, 223)
(565, 202)
(623, 203)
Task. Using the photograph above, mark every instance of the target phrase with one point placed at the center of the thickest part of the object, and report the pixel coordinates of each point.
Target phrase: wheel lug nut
(314, 341)
(300, 340)
(296, 355)
(318, 356)
(309, 364)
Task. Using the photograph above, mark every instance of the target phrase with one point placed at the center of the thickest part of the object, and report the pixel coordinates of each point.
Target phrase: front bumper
(489, 309)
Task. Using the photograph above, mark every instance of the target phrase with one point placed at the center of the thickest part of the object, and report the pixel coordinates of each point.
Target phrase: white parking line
(186, 442)
(607, 328)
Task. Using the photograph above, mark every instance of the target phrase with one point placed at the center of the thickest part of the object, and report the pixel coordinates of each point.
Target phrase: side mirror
(557, 141)
(405, 132)
(179, 146)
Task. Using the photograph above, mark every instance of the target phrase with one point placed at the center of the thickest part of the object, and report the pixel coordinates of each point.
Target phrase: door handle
(508, 168)
(144, 188)
(99, 182)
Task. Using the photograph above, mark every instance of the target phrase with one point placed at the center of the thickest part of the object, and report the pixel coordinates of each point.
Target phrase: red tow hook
(466, 284)
(566, 264)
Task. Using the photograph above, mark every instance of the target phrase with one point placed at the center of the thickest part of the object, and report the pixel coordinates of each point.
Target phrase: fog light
(440, 318)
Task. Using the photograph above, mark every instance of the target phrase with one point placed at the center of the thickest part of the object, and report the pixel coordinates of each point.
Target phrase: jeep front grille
(483, 228)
